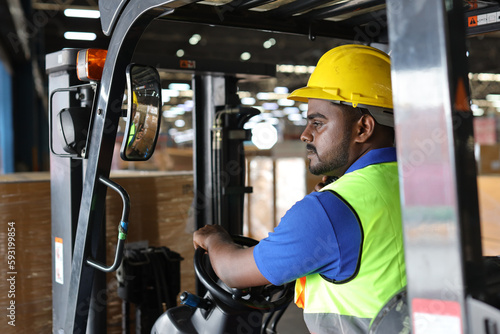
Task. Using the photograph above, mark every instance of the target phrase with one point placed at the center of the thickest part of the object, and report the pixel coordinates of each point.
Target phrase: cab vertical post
(80, 306)
(65, 186)
(218, 162)
(208, 92)
(436, 162)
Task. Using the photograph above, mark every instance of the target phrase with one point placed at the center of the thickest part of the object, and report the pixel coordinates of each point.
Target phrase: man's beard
(325, 167)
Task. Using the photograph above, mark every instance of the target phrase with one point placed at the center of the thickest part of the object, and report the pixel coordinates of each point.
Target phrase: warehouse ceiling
(37, 27)
(45, 21)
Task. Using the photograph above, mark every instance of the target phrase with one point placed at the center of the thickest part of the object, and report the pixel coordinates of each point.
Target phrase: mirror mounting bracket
(71, 153)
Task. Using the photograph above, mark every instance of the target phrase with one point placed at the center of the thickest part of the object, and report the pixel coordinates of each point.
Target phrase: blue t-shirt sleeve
(319, 234)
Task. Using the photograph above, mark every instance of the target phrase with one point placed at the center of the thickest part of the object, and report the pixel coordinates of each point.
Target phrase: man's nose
(306, 135)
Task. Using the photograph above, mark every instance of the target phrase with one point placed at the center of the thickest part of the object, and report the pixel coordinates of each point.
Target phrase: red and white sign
(58, 254)
(432, 316)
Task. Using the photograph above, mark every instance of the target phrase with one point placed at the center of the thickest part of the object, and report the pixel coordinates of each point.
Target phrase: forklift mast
(434, 138)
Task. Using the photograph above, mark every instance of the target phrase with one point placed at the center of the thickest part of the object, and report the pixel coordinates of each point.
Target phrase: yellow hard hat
(356, 74)
(134, 97)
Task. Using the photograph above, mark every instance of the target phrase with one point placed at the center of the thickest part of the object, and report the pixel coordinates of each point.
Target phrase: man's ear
(365, 127)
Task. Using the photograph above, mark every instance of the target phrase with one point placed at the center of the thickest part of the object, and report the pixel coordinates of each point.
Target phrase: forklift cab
(449, 288)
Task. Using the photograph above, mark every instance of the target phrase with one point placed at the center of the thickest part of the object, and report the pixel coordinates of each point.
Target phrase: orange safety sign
(483, 19)
(472, 21)
(187, 63)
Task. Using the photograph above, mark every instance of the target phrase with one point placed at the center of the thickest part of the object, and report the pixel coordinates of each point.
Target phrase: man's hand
(325, 180)
(232, 263)
(321, 184)
(209, 234)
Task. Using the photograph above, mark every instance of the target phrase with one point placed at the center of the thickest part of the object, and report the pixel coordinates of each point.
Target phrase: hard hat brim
(305, 93)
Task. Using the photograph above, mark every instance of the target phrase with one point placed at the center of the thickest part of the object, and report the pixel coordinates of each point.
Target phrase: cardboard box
(159, 216)
(489, 211)
(488, 159)
(25, 218)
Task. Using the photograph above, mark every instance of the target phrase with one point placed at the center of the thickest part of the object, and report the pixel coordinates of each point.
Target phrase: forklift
(451, 287)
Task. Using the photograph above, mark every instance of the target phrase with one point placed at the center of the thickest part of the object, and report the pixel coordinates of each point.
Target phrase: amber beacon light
(90, 63)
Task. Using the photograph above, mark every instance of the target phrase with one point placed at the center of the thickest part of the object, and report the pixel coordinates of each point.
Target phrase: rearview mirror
(143, 113)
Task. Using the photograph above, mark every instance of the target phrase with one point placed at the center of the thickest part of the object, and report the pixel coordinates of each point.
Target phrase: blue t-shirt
(319, 234)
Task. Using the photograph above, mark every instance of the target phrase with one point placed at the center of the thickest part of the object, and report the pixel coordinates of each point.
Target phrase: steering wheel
(257, 298)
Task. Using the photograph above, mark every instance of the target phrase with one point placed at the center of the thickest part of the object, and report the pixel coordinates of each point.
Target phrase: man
(344, 243)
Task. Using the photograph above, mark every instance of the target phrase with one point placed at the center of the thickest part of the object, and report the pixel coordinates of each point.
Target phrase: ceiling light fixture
(245, 56)
(80, 36)
(179, 86)
(281, 90)
(194, 39)
(180, 123)
(82, 13)
(286, 103)
(269, 43)
(168, 93)
(485, 76)
(248, 101)
(270, 106)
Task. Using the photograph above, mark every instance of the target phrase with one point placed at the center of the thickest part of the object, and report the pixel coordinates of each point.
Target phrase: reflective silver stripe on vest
(331, 323)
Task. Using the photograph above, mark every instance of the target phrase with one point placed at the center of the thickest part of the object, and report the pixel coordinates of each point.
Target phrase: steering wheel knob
(189, 299)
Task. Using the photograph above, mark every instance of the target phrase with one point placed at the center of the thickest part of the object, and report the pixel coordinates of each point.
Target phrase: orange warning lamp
(90, 63)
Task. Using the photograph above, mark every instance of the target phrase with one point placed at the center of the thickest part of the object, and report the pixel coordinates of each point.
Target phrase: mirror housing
(73, 124)
(143, 113)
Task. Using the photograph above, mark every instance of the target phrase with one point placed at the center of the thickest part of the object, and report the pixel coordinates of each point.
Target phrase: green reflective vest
(373, 195)
(131, 134)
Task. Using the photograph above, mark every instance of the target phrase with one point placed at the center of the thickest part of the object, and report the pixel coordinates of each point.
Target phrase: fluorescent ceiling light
(244, 93)
(484, 76)
(299, 69)
(295, 117)
(286, 102)
(178, 110)
(245, 56)
(270, 42)
(80, 36)
(248, 101)
(169, 114)
(82, 13)
(493, 97)
(281, 90)
(271, 96)
(194, 39)
(270, 106)
(291, 110)
(303, 107)
(180, 123)
(263, 96)
(179, 86)
(168, 93)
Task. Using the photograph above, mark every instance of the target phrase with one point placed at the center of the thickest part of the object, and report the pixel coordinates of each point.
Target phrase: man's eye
(316, 124)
